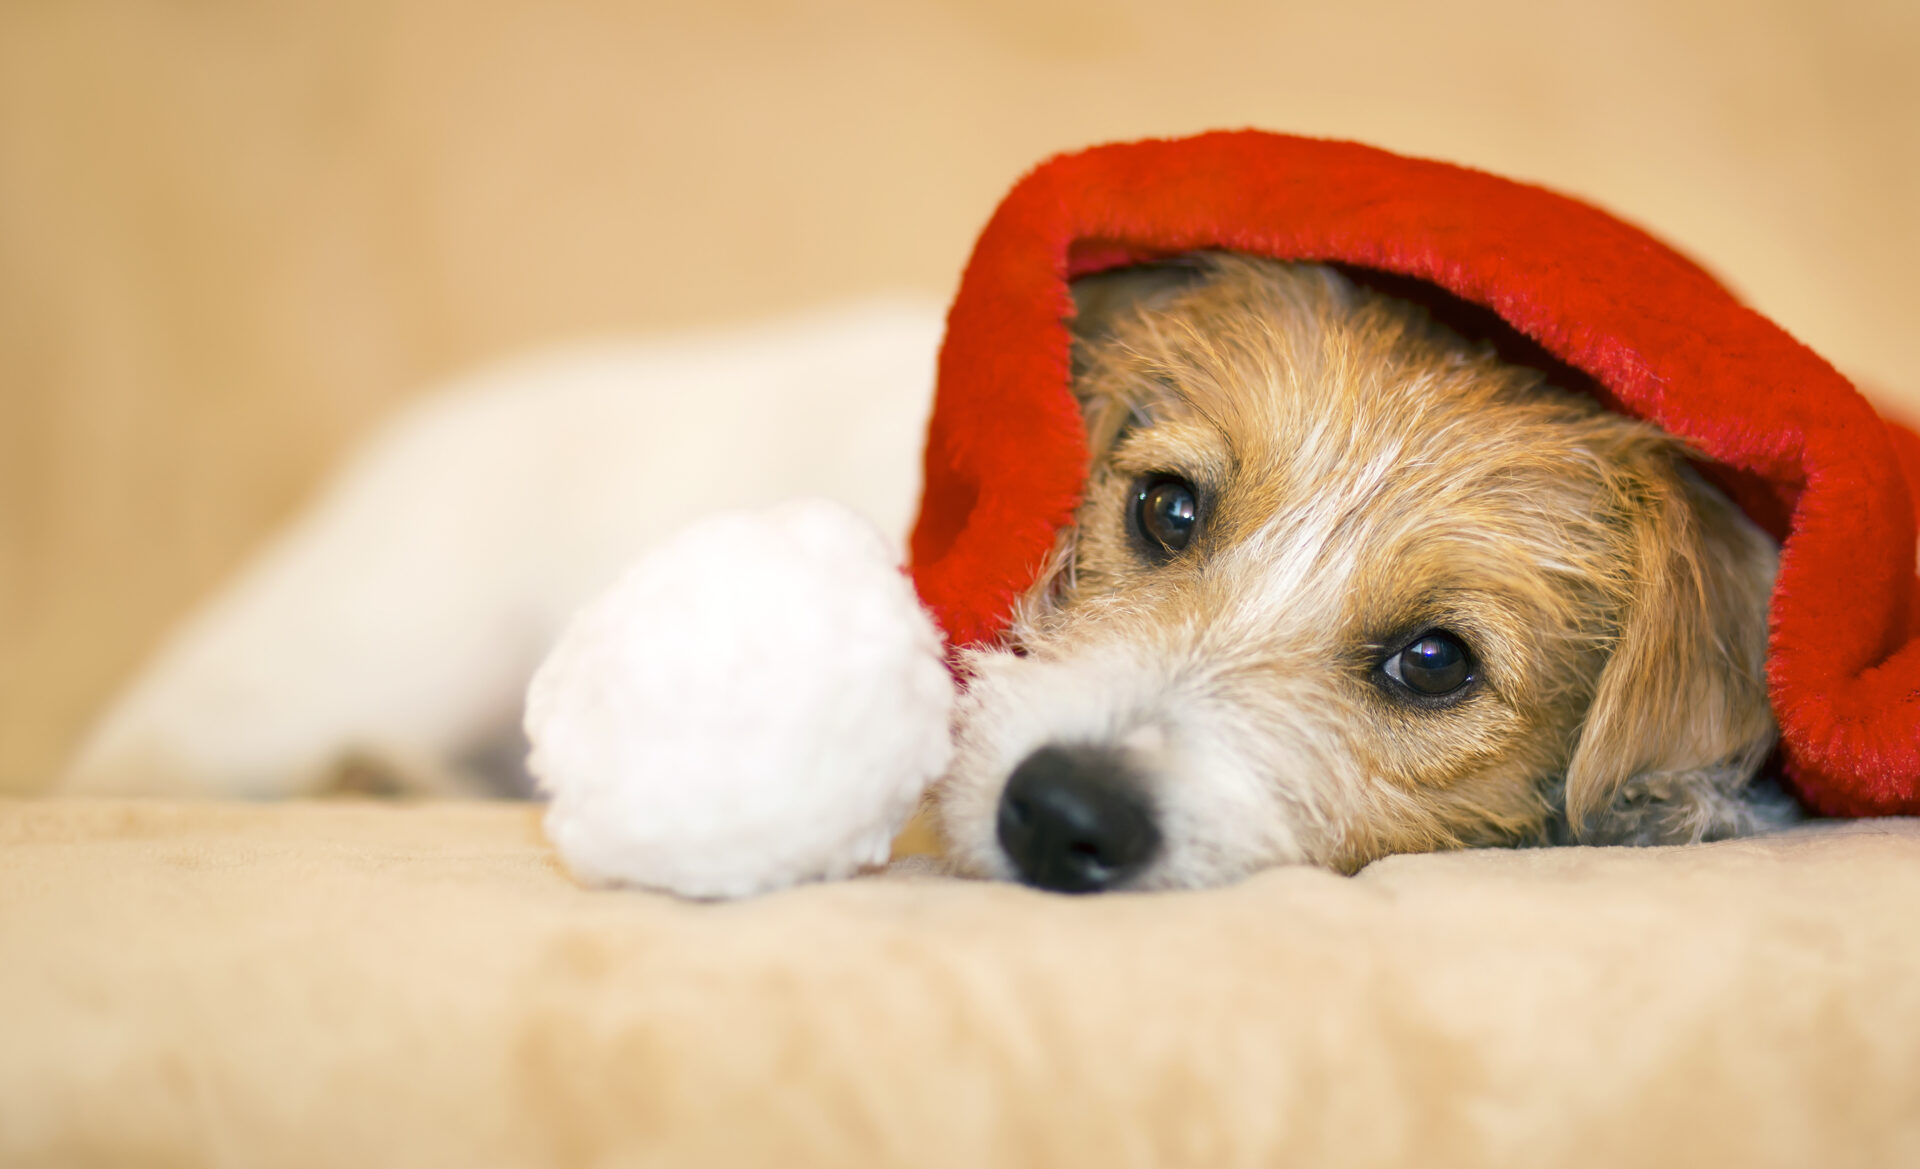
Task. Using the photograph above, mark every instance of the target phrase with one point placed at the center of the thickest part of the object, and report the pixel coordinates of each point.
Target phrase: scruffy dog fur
(1342, 585)
(1348, 483)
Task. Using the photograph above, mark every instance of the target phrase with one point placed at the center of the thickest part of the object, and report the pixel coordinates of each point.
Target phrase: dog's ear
(1103, 304)
(1679, 721)
(1105, 299)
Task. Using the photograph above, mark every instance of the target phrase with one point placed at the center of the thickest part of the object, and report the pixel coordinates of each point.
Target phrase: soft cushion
(355, 984)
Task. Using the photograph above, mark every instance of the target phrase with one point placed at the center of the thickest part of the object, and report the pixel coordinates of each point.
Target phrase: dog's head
(1343, 585)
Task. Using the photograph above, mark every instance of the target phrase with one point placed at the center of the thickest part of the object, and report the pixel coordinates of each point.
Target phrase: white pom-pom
(759, 701)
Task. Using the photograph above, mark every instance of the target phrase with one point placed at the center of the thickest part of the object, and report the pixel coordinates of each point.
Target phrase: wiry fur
(1364, 476)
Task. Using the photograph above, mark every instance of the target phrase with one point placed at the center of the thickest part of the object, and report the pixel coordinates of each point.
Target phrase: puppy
(1343, 585)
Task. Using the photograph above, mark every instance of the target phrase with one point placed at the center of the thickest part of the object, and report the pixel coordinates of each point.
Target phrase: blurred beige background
(233, 236)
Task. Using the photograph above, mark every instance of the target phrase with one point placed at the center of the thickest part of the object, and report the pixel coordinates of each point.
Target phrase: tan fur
(1365, 476)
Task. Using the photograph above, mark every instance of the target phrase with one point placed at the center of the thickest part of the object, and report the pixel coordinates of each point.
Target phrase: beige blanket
(360, 985)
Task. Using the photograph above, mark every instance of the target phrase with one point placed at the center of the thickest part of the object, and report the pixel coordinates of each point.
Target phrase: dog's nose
(1075, 819)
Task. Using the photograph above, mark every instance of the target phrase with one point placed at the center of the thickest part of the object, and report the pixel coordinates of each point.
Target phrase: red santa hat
(1612, 309)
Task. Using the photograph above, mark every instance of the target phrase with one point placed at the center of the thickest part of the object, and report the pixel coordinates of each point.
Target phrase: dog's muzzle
(1076, 819)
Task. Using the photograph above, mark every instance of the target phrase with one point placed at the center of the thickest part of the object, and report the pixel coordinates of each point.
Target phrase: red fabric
(1794, 441)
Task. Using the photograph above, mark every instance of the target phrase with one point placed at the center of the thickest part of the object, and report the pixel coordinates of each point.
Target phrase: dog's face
(1343, 586)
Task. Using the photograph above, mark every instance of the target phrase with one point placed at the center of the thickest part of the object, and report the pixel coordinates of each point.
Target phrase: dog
(1343, 584)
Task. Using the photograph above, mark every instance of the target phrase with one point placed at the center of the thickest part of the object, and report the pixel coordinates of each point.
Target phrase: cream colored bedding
(349, 984)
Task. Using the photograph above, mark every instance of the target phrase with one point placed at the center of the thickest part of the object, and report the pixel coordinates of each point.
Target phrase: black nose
(1075, 819)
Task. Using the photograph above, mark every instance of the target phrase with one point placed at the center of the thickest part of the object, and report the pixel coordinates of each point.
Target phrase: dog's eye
(1434, 664)
(1165, 513)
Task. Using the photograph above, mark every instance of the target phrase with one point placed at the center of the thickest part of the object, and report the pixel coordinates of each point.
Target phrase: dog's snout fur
(1076, 819)
(1366, 488)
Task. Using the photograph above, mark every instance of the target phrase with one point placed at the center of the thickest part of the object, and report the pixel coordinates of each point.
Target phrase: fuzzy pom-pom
(758, 701)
